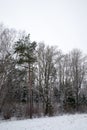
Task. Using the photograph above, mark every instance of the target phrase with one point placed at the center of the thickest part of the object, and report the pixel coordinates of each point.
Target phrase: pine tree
(25, 51)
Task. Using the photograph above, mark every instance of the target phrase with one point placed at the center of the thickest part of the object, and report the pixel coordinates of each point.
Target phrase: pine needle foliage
(25, 50)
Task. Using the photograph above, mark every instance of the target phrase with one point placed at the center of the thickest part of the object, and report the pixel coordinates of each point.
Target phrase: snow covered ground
(65, 122)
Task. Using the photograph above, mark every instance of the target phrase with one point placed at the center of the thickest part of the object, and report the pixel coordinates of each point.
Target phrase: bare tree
(46, 65)
(78, 72)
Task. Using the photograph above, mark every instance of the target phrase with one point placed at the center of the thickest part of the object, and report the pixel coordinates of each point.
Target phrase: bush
(69, 104)
(7, 110)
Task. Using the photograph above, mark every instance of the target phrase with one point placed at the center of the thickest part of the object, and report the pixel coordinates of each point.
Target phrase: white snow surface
(64, 122)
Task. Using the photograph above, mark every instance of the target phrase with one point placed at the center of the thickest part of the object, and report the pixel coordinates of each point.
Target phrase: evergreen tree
(25, 51)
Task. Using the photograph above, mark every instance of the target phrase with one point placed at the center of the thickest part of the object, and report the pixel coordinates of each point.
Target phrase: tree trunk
(30, 93)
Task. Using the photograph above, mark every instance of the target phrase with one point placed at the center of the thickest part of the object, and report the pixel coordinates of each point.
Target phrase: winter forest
(39, 80)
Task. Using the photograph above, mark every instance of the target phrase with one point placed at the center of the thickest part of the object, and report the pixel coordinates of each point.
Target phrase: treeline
(38, 80)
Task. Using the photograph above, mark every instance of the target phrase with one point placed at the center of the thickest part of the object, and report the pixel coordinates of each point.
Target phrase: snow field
(65, 122)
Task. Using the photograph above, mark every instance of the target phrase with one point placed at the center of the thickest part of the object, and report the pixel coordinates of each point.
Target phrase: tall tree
(79, 70)
(46, 67)
(25, 50)
(6, 61)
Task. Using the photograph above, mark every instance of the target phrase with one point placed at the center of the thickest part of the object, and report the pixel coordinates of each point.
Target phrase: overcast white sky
(56, 22)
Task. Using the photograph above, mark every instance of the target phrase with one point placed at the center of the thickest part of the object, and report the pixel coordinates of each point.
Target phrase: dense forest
(39, 80)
